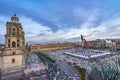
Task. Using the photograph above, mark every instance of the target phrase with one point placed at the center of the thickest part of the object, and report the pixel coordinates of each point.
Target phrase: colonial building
(13, 55)
(97, 44)
(46, 47)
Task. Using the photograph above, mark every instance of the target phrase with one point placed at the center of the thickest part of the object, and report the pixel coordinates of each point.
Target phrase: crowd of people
(33, 66)
(86, 53)
(106, 59)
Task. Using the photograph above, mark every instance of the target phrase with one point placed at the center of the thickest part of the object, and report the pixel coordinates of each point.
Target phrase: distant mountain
(112, 39)
(75, 39)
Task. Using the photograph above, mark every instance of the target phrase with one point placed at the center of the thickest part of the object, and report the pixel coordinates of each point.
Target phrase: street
(67, 72)
(37, 65)
(33, 67)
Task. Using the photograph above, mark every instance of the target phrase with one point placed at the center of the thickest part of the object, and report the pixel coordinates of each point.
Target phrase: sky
(45, 21)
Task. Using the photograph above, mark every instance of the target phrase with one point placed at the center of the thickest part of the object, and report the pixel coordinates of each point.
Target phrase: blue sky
(63, 20)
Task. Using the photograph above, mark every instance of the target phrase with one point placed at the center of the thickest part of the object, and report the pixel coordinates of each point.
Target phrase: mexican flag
(84, 40)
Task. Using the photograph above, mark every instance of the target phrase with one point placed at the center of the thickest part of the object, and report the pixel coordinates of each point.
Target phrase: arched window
(13, 31)
(13, 44)
(18, 31)
(8, 45)
(13, 53)
(18, 45)
(13, 60)
(9, 30)
(8, 42)
(17, 42)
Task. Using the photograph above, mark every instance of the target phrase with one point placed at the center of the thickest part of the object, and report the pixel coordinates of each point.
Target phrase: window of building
(13, 53)
(8, 45)
(13, 60)
(9, 30)
(18, 31)
(8, 40)
(13, 44)
(18, 40)
(18, 45)
(13, 31)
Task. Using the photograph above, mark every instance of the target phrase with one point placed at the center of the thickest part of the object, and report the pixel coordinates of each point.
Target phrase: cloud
(3, 20)
(36, 32)
(107, 28)
(32, 27)
(49, 21)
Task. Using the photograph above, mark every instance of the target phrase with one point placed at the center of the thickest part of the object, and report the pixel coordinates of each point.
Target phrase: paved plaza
(86, 53)
(106, 57)
(65, 62)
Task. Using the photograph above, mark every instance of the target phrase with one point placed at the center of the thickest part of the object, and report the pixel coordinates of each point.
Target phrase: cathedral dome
(14, 19)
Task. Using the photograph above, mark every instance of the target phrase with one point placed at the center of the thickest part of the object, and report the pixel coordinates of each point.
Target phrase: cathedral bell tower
(13, 54)
(14, 37)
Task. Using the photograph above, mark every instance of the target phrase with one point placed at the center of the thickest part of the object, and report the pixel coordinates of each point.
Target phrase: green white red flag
(85, 41)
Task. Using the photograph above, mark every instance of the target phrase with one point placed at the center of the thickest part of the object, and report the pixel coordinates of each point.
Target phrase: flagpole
(82, 40)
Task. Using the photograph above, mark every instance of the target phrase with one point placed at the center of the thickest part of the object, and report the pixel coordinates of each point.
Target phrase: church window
(9, 30)
(8, 42)
(13, 60)
(18, 43)
(13, 31)
(13, 44)
(8, 45)
(13, 53)
(18, 31)
(18, 40)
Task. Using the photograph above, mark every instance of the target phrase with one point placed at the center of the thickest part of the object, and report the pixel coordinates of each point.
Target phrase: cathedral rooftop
(14, 19)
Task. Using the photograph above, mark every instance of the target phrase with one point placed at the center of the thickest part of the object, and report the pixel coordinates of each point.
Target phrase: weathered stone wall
(9, 65)
(13, 57)
(0, 62)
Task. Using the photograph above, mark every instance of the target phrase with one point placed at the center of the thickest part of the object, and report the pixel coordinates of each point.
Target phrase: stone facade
(13, 55)
(47, 47)
(0, 62)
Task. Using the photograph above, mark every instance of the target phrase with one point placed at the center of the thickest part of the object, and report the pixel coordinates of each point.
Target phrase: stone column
(7, 31)
(6, 42)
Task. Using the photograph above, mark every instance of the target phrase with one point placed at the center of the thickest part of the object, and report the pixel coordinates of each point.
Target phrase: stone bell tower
(14, 52)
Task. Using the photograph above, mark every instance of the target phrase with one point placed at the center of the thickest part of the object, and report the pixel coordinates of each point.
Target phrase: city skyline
(65, 20)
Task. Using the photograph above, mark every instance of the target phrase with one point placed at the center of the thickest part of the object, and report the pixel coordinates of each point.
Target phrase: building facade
(46, 47)
(13, 55)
